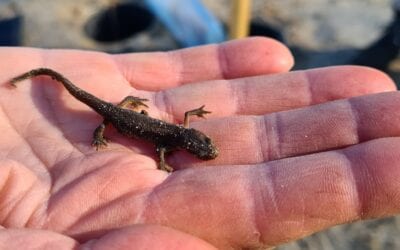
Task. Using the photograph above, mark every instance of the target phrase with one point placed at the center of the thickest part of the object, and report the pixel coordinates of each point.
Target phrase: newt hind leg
(98, 136)
(162, 165)
(132, 102)
(200, 112)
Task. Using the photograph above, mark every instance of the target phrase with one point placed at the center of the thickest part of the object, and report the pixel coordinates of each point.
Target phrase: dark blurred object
(123, 26)
(385, 49)
(10, 26)
(261, 28)
(10, 31)
(118, 22)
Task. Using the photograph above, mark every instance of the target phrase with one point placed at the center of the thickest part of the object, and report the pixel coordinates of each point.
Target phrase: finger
(250, 206)
(273, 93)
(256, 139)
(240, 58)
(157, 70)
(147, 237)
(34, 239)
(269, 204)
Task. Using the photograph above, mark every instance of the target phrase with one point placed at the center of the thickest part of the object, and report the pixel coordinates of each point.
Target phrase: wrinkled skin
(299, 151)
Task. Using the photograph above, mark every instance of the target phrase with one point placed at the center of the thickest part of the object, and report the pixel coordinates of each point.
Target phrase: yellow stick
(240, 19)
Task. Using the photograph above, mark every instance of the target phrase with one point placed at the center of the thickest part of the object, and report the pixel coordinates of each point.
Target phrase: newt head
(199, 144)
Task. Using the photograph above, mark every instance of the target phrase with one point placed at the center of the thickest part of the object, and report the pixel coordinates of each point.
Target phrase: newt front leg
(200, 112)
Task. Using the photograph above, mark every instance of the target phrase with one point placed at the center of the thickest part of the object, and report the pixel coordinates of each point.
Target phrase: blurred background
(318, 32)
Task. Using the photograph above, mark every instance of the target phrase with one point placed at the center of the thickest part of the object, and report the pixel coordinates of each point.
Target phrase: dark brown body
(165, 136)
(160, 133)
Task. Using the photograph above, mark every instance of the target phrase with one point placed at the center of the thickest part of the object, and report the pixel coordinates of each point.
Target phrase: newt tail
(92, 101)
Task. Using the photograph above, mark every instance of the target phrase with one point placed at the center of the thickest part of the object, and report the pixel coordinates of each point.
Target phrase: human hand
(58, 190)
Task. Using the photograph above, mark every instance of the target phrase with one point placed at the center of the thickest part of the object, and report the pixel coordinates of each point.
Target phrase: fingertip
(339, 82)
(284, 60)
(378, 80)
(254, 56)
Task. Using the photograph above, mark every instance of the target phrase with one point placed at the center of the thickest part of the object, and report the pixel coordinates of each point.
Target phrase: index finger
(154, 70)
(233, 59)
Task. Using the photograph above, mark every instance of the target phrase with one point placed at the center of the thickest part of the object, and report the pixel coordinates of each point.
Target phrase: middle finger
(272, 93)
(256, 139)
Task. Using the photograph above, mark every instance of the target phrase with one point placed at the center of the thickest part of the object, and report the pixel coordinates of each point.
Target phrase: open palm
(287, 166)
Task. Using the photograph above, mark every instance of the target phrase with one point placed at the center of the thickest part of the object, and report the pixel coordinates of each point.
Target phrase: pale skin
(293, 161)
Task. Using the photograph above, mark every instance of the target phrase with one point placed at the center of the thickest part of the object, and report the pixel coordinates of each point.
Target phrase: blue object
(188, 20)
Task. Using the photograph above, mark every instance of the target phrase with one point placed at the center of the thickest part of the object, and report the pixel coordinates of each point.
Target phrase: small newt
(165, 136)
